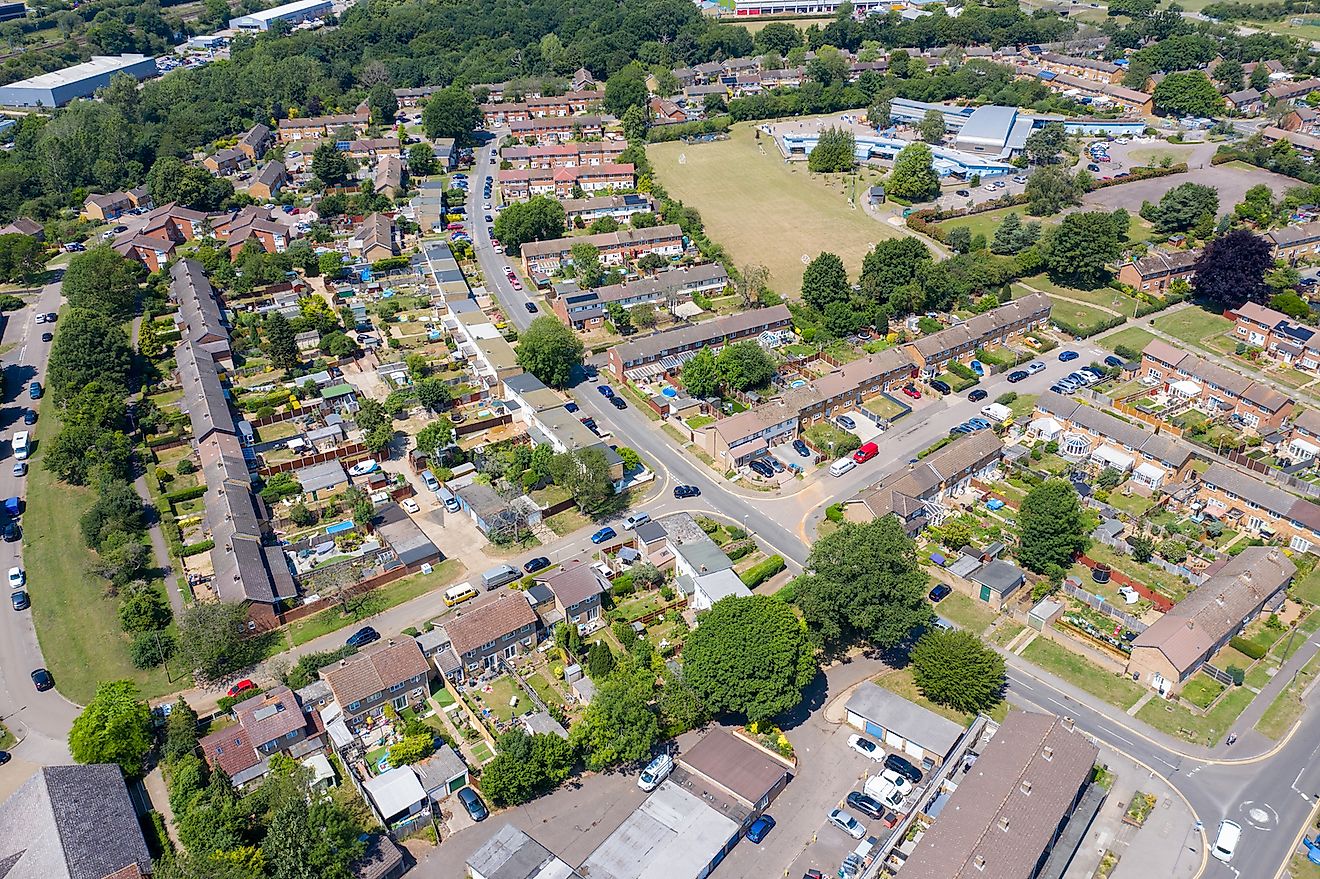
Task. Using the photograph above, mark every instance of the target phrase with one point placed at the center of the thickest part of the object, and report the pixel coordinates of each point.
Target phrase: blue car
(1065, 356)
(760, 827)
(979, 423)
(604, 534)
(606, 391)
(34, 390)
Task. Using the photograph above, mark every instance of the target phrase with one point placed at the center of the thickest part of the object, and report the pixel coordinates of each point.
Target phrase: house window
(1301, 544)
(394, 688)
(400, 702)
(291, 736)
(354, 706)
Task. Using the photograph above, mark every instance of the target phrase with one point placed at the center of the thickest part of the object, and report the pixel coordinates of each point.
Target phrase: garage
(904, 727)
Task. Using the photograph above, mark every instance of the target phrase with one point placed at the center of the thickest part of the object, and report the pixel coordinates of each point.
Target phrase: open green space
(359, 607)
(987, 222)
(1025, 404)
(1287, 706)
(1151, 155)
(901, 682)
(1084, 317)
(799, 23)
(1192, 324)
(967, 612)
(1071, 667)
(765, 210)
(77, 623)
(1130, 337)
(1186, 724)
(1300, 867)
(1105, 297)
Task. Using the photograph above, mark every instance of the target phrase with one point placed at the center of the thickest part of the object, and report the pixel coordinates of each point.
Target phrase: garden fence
(1100, 604)
(1222, 676)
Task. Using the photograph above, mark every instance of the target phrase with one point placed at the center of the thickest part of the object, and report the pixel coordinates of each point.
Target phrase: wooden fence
(348, 454)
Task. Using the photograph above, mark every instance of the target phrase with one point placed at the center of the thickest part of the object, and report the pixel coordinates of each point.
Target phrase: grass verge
(374, 602)
(1205, 729)
(1063, 663)
(1287, 706)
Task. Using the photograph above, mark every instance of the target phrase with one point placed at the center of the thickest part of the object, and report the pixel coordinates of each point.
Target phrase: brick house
(254, 142)
(500, 629)
(557, 129)
(270, 180)
(522, 183)
(578, 592)
(395, 674)
(1248, 503)
(1293, 243)
(616, 248)
(1215, 390)
(999, 326)
(654, 353)
(1155, 272)
(271, 723)
(564, 155)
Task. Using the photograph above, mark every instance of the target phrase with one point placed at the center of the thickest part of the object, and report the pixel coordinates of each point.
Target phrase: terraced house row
(1214, 390)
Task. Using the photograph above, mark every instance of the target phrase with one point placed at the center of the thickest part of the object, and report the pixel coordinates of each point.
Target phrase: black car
(942, 387)
(537, 564)
(590, 424)
(682, 491)
(939, 593)
(362, 637)
(476, 809)
(762, 469)
(801, 448)
(977, 395)
(4, 757)
(30, 417)
(20, 600)
(903, 768)
(11, 532)
(570, 406)
(47, 337)
(531, 307)
(1113, 361)
(1014, 377)
(618, 402)
(866, 805)
(42, 680)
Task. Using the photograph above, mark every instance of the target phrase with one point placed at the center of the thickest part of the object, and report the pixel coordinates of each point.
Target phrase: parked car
(864, 804)
(761, 469)
(20, 469)
(11, 532)
(606, 391)
(47, 337)
(604, 534)
(939, 593)
(865, 747)
(903, 768)
(570, 406)
(410, 506)
(1016, 376)
(476, 809)
(20, 600)
(845, 422)
(241, 687)
(537, 564)
(912, 392)
(942, 387)
(1113, 361)
(618, 403)
(1066, 356)
(42, 680)
(964, 193)
(362, 468)
(1035, 366)
(847, 823)
(901, 783)
(1093, 167)
(362, 637)
(531, 307)
(760, 827)
(35, 391)
(686, 491)
(977, 395)
(17, 578)
(801, 448)
(866, 453)
(978, 423)
(29, 416)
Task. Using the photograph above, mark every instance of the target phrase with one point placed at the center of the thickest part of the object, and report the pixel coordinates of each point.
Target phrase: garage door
(894, 741)
(914, 750)
(874, 729)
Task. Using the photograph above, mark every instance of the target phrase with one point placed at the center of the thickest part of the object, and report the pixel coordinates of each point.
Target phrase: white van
(21, 445)
(635, 519)
(842, 466)
(459, 594)
(883, 791)
(655, 772)
(1226, 840)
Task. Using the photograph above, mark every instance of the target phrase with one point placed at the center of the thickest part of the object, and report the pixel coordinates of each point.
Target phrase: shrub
(963, 371)
(1249, 648)
(1237, 674)
(185, 494)
(762, 571)
(739, 550)
(227, 703)
(1006, 399)
(185, 467)
(200, 546)
(834, 512)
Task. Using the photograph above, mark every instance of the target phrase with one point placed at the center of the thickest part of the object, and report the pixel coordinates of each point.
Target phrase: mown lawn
(1132, 337)
(901, 682)
(1287, 706)
(361, 607)
(1192, 324)
(1178, 721)
(966, 612)
(1071, 667)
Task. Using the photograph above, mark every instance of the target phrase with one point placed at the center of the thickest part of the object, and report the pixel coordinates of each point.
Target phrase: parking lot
(1232, 184)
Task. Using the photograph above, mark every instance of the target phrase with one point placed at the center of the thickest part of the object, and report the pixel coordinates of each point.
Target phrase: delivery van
(21, 445)
(655, 772)
(447, 498)
(866, 453)
(498, 576)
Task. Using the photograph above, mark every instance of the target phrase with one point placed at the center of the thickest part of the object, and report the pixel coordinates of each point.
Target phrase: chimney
(1003, 823)
(1025, 787)
(1068, 724)
(1047, 752)
(979, 861)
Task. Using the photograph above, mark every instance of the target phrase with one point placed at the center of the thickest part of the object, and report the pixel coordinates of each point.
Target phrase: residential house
(557, 129)
(255, 141)
(578, 592)
(227, 161)
(176, 222)
(270, 229)
(1246, 502)
(442, 774)
(491, 513)
(388, 176)
(269, 181)
(375, 239)
(517, 184)
(716, 586)
(317, 127)
(666, 352)
(106, 206)
(573, 154)
(618, 207)
(999, 326)
(1092, 69)
(1248, 102)
(270, 723)
(25, 226)
(1215, 390)
(1156, 271)
(395, 673)
(72, 822)
(735, 440)
(914, 493)
(1292, 90)
(1280, 336)
(541, 107)
(1301, 119)
(549, 422)
(151, 252)
(1165, 655)
(414, 97)
(1306, 143)
(201, 319)
(1303, 442)
(1294, 243)
(1099, 92)
(1013, 805)
(497, 630)
(588, 309)
(905, 727)
(544, 258)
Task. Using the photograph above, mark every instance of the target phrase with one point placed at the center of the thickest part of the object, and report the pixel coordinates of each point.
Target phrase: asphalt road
(492, 263)
(40, 720)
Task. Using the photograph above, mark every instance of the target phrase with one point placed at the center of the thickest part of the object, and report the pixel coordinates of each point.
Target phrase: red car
(866, 453)
(241, 687)
(912, 392)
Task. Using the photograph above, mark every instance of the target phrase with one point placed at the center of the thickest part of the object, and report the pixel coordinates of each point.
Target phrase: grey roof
(432, 641)
(541, 723)
(1001, 576)
(1132, 436)
(704, 556)
(408, 541)
(204, 398)
(907, 719)
(71, 822)
(704, 333)
(989, 125)
(319, 477)
(511, 854)
(982, 326)
(440, 768)
(649, 532)
(198, 305)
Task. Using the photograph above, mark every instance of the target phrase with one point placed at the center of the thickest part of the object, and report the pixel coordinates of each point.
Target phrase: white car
(866, 747)
(410, 505)
(362, 468)
(20, 469)
(847, 823)
(17, 577)
(1226, 840)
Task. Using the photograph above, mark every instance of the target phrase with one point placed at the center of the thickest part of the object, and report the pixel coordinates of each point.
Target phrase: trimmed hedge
(1250, 648)
(197, 548)
(762, 571)
(1077, 332)
(740, 549)
(185, 494)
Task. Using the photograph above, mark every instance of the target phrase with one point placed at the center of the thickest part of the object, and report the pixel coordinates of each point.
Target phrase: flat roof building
(59, 87)
(293, 13)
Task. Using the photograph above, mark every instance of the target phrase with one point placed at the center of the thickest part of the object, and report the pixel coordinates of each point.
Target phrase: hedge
(762, 571)
(740, 549)
(197, 548)
(1250, 648)
(936, 446)
(1087, 332)
(185, 494)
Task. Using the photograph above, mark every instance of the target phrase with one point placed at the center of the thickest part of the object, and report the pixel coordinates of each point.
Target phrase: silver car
(847, 823)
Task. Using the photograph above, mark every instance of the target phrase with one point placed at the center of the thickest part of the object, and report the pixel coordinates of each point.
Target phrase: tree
(749, 656)
(319, 841)
(931, 128)
(829, 67)
(778, 36)
(1142, 547)
(89, 348)
(22, 259)
(600, 661)
(1052, 527)
(957, 669)
(526, 766)
(1229, 74)
(745, 365)
(1013, 235)
(421, 160)
(913, 176)
(142, 608)
(281, 344)
(1045, 143)
(102, 281)
(172, 179)
(1081, 248)
(537, 219)
(834, 152)
(636, 120)
(412, 749)
(383, 104)
(701, 375)
(115, 727)
(1187, 93)
(862, 583)
(1289, 302)
(180, 731)
(892, 264)
(1109, 478)
(586, 475)
(1050, 190)
(1257, 204)
(329, 164)
(214, 640)
(825, 281)
(434, 394)
(626, 88)
(1232, 270)
(619, 726)
(1260, 78)
(452, 112)
(77, 449)
(1181, 207)
(603, 224)
(550, 351)
(960, 239)
(587, 267)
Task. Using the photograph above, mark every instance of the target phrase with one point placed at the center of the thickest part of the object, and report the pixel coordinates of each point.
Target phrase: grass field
(1084, 317)
(1061, 661)
(1178, 721)
(1192, 324)
(1287, 706)
(988, 222)
(966, 612)
(799, 23)
(77, 624)
(1105, 297)
(1133, 337)
(1152, 155)
(763, 210)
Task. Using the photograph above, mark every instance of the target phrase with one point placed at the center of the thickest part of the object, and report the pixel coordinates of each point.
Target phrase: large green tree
(1045, 143)
(115, 727)
(173, 180)
(701, 374)
(90, 347)
(1052, 528)
(913, 176)
(749, 656)
(452, 112)
(540, 218)
(626, 88)
(102, 281)
(586, 475)
(892, 264)
(281, 342)
(550, 350)
(214, 639)
(526, 766)
(932, 127)
(834, 152)
(620, 724)
(22, 258)
(863, 583)
(825, 281)
(745, 365)
(1188, 93)
(1081, 249)
(958, 669)
(329, 164)
(1181, 207)
(1050, 190)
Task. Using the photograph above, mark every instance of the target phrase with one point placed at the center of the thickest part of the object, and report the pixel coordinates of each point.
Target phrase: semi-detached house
(1280, 336)
(1292, 243)
(1156, 272)
(488, 633)
(586, 309)
(577, 590)
(523, 183)
(1215, 390)
(933, 353)
(362, 685)
(270, 723)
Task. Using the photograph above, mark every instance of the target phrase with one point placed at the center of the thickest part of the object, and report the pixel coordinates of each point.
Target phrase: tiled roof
(576, 584)
(982, 326)
(488, 622)
(231, 749)
(272, 715)
(366, 674)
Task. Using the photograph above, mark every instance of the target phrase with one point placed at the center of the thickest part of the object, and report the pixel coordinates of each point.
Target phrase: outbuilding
(920, 734)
